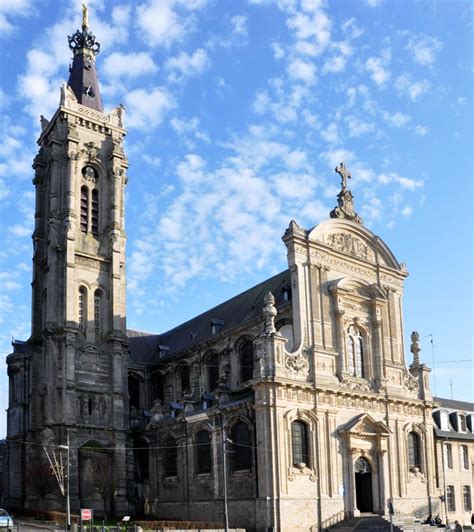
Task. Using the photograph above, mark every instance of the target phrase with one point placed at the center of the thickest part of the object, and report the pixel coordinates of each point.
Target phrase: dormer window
(163, 350)
(216, 325)
(444, 421)
(462, 423)
(286, 292)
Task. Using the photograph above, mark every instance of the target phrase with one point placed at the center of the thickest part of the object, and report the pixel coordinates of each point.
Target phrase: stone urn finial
(415, 347)
(270, 312)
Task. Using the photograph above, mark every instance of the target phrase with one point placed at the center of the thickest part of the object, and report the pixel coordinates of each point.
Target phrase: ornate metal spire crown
(82, 73)
(345, 199)
(84, 41)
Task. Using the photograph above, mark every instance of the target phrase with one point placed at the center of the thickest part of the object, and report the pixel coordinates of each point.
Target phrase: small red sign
(86, 514)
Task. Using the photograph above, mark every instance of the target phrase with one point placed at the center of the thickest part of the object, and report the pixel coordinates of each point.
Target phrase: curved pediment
(353, 239)
(364, 424)
(352, 285)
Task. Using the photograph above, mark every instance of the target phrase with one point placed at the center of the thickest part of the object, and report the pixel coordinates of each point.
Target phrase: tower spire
(82, 74)
(345, 199)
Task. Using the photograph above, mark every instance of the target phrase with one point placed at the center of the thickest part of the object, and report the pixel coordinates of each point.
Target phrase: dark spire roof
(83, 76)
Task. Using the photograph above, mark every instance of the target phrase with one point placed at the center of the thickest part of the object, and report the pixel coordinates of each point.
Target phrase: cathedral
(292, 401)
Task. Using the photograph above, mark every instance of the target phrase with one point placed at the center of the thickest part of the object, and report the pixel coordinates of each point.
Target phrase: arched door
(363, 485)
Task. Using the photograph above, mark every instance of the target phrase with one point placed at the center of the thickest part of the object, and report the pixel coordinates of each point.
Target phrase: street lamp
(68, 503)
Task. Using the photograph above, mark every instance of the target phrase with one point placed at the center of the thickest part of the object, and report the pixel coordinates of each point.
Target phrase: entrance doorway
(363, 486)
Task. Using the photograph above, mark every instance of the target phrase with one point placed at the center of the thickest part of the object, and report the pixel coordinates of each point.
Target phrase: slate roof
(454, 405)
(243, 308)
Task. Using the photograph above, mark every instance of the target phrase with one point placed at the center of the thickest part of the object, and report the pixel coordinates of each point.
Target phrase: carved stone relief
(351, 245)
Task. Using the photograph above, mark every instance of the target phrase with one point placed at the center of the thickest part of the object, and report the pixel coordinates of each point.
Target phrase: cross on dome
(345, 200)
(344, 173)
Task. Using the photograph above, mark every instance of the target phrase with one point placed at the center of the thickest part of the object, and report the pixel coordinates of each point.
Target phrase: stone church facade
(293, 399)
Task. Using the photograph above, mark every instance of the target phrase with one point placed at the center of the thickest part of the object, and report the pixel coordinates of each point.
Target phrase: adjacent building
(294, 398)
(454, 440)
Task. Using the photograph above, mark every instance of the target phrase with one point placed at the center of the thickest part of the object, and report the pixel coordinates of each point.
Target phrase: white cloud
(462, 100)
(424, 49)
(397, 119)
(302, 71)
(358, 127)
(373, 3)
(351, 28)
(239, 24)
(185, 65)
(10, 9)
(334, 157)
(164, 22)
(312, 25)
(404, 182)
(330, 134)
(147, 108)
(20, 230)
(378, 73)
(278, 50)
(128, 65)
(413, 89)
(420, 130)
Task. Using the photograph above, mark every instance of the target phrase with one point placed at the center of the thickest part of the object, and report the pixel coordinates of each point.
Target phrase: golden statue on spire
(85, 17)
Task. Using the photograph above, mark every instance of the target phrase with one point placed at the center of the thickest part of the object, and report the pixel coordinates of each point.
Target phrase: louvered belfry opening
(95, 212)
(84, 209)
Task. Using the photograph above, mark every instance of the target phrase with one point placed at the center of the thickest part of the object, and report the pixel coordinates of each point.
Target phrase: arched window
(241, 456)
(246, 361)
(97, 312)
(414, 450)
(140, 453)
(82, 308)
(95, 212)
(184, 378)
(134, 392)
(158, 387)
(203, 452)
(213, 372)
(300, 443)
(170, 457)
(355, 352)
(84, 209)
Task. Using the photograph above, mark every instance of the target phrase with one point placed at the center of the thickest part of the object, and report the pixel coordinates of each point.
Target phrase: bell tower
(73, 368)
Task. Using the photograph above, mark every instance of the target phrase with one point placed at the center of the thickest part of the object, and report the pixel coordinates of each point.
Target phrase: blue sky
(238, 112)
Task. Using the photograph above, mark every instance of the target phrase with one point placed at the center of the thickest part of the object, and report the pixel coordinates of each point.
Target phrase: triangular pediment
(365, 424)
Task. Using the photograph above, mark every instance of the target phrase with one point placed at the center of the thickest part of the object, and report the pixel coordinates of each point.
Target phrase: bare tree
(41, 480)
(103, 478)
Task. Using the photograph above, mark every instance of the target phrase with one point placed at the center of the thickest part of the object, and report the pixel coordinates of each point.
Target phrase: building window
(466, 497)
(158, 387)
(246, 361)
(82, 308)
(300, 443)
(97, 312)
(213, 372)
(241, 457)
(140, 454)
(450, 499)
(95, 212)
(203, 452)
(462, 422)
(134, 394)
(184, 378)
(170, 457)
(355, 352)
(414, 451)
(465, 456)
(84, 209)
(449, 455)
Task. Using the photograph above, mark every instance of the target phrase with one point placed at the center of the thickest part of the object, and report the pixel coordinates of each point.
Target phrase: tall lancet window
(84, 209)
(355, 352)
(95, 212)
(82, 308)
(97, 312)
